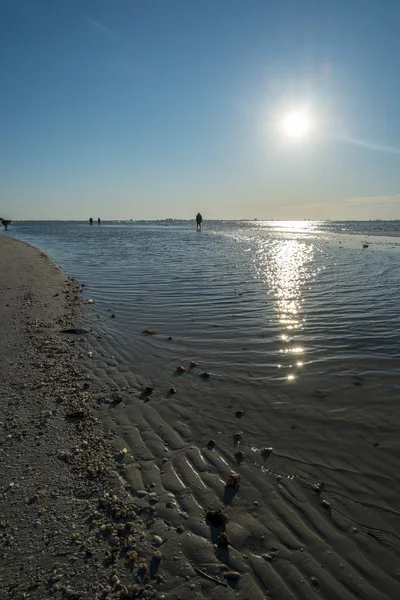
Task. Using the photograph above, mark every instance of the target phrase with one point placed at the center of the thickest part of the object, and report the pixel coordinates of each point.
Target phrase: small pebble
(141, 493)
(232, 575)
(239, 413)
(158, 541)
(172, 391)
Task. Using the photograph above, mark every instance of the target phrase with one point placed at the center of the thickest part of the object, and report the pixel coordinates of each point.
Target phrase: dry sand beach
(314, 515)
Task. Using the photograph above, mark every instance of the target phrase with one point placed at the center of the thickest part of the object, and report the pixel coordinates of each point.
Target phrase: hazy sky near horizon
(160, 108)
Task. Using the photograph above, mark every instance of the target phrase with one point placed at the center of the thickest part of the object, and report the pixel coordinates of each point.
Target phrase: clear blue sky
(160, 108)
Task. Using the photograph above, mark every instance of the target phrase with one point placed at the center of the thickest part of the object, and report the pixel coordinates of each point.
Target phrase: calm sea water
(255, 302)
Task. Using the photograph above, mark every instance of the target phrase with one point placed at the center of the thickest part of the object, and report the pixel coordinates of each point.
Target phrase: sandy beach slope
(67, 528)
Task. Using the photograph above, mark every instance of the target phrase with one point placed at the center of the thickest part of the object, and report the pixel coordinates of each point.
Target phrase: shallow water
(275, 302)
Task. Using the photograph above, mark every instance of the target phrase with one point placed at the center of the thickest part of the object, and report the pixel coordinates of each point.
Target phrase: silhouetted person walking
(98, 220)
(90, 221)
(199, 220)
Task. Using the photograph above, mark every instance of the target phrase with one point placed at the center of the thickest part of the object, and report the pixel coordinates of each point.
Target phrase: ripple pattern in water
(275, 302)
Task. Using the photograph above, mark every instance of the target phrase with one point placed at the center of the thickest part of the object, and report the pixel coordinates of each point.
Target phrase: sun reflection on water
(285, 265)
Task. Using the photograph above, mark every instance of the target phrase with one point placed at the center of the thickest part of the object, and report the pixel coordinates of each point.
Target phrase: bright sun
(296, 124)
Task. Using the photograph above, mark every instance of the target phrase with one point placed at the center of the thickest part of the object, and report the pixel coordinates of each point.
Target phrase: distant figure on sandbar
(98, 220)
(6, 223)
(91, 221)
(199, 220)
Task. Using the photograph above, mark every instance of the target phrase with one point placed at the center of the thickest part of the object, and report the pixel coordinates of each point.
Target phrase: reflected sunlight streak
(285, 266)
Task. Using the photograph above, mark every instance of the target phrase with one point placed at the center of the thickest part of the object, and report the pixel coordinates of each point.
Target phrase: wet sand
(315, 517)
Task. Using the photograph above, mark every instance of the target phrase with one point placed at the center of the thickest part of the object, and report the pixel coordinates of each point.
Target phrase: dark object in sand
(77, 414)
(267, 451)
(325, 504)
(205, 375)
(148, 390)
(192, 364)
(113, 316)
(74, 330)
(211, 444)
(170, 337)
(239, 413)
(172, 391)
(149, 331)
(216, 518)
(239, 456)
(223, 540)
(233, 480)
(181, 369)
(237, 437)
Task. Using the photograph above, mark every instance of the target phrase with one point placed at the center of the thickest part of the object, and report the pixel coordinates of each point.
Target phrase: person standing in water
(199, 220)
(98, 220)
(6, 223)
(90, 221)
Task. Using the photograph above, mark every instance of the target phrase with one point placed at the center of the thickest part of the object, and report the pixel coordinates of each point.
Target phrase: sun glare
(296, 124)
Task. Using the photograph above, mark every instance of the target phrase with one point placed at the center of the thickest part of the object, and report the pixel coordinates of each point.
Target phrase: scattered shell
(157, 555)
(150, 331)
(223, 539)
(142, 566)
(233, 480)
(267, 557)
(124, 451)
(232, 575)
(90, 301)
(132, 556)
(325, 504)
(90, 354)
(239, 413)
(181, 369)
